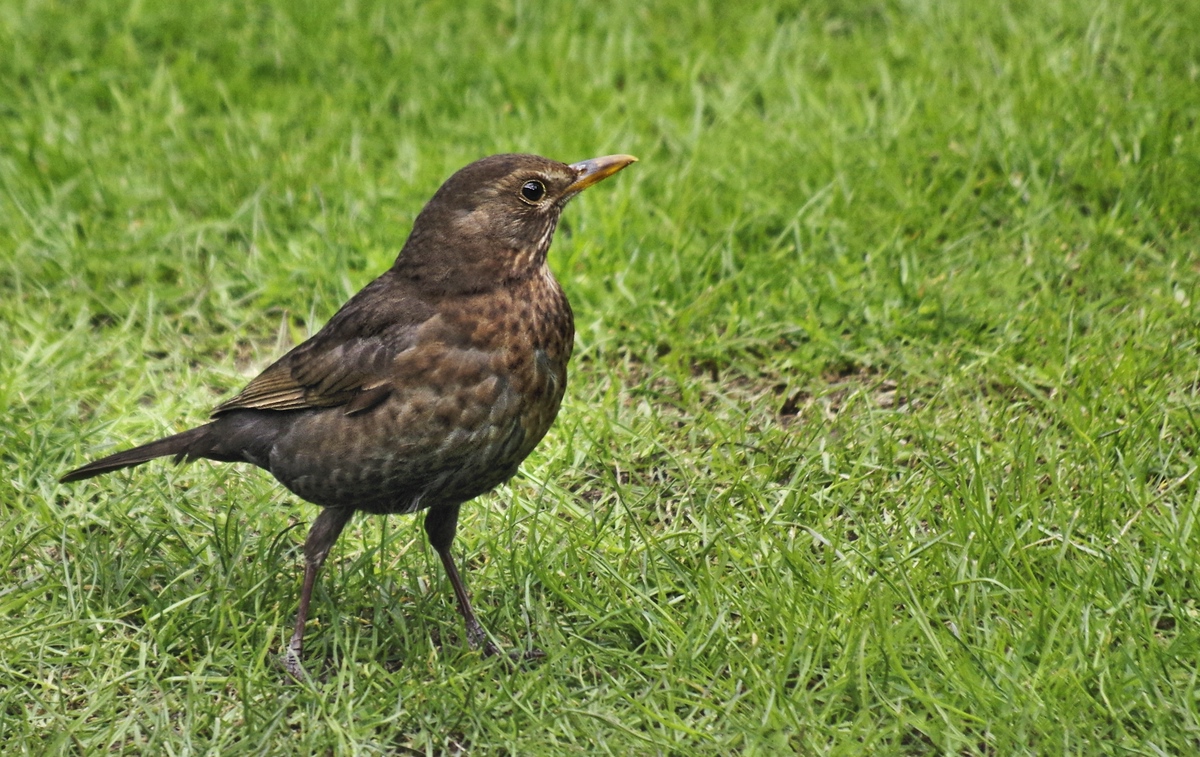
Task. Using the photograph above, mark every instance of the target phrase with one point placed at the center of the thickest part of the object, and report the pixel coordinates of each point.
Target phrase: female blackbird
(430, 386)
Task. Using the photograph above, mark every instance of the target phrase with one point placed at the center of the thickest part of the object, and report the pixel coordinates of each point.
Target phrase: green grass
(882, 431)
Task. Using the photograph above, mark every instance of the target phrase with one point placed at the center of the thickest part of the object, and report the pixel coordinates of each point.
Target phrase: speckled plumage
(431, 385)
(475, 393)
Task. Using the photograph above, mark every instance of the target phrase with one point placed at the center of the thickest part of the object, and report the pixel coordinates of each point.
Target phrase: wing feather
(345, 363)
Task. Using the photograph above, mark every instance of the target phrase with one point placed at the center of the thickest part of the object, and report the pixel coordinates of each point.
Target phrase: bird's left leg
(324, 532)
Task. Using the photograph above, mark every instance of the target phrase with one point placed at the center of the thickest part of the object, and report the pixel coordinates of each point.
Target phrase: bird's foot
(477, 638)
(293, 665)
(488, 648)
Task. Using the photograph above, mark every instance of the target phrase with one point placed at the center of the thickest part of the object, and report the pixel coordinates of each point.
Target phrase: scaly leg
(324, 532)
(440, 525)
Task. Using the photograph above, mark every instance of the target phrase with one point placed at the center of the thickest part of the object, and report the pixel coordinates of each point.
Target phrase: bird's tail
(189, 444)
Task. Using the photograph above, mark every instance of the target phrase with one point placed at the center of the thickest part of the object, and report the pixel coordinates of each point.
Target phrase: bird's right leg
(440, 526)
(324, 532)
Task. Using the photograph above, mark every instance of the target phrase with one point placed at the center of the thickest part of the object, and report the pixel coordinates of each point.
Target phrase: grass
(882, 429)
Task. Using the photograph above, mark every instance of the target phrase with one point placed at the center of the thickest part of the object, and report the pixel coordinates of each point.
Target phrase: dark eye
(533, 191)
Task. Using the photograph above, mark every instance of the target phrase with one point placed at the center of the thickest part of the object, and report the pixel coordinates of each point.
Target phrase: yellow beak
(597, 169)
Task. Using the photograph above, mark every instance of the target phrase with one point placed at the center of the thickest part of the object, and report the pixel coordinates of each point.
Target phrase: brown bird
(430, 386)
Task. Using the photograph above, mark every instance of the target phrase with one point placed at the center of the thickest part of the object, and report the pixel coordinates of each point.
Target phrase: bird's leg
(324, 532)
(440, 525)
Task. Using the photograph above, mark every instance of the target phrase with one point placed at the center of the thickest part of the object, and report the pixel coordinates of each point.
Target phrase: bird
(429, 387)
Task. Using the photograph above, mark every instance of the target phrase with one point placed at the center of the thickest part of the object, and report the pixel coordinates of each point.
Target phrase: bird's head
(492, 221)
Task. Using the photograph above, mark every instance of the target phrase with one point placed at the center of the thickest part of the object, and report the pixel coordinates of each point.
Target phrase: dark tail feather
(189, 444)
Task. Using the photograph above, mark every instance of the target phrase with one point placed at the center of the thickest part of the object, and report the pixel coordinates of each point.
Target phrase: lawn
(883, 424)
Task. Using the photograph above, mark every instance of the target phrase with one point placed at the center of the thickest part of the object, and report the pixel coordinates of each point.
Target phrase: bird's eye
(533, 191)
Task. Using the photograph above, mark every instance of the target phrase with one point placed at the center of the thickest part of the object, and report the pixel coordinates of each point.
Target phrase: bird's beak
(597, 169)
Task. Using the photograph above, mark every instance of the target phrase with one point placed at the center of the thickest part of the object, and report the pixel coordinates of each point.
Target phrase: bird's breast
(529, 332)
(470, 399)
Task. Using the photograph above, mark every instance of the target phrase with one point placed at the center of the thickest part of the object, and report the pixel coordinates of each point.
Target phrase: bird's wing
(344, 364)
(321, 374)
